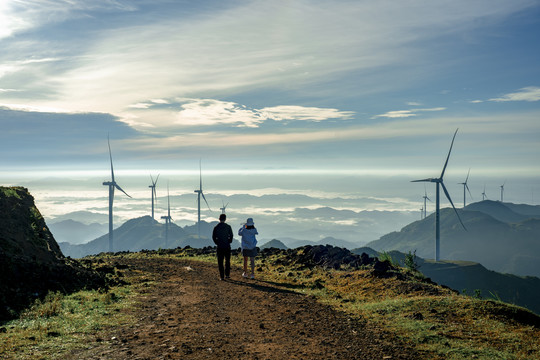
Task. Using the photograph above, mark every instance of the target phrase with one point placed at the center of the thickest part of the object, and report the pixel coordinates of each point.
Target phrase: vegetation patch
(61, 323)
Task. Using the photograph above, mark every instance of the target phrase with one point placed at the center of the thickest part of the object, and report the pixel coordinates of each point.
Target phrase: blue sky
(365, 92)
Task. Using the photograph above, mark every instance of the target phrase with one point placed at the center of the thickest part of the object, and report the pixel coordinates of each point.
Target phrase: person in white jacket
(249, 246)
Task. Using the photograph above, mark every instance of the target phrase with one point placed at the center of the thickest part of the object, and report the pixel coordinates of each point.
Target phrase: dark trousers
(224, 254)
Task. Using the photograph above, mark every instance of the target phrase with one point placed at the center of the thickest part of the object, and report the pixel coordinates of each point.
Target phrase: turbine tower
(465, 186)
(112, 185)
(425, 198)
(154, 195)
(224, 207)
(167, 218)
(484, 196)
(439, 183)
(199, 193)
(502, 190)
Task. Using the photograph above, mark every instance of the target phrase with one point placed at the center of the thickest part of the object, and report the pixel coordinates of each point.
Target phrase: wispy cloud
(406, 113)
(207, 112)
(529, 93)
(385, 130)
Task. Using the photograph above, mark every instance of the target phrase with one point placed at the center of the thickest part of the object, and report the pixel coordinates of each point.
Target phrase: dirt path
(191, 314)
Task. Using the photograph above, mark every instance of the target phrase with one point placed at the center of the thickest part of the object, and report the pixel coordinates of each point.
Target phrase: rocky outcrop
(31, 263)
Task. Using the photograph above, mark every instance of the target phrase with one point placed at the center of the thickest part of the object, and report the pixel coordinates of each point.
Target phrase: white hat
(250, 222)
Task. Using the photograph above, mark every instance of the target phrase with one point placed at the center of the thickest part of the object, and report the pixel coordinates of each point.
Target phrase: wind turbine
(465, 186)
(439, 181)
(502, 190)
(425, 198)
(484, 196)
(199, 193)
(224, 207)
(112, 185)
(167, 218)
(154, 195)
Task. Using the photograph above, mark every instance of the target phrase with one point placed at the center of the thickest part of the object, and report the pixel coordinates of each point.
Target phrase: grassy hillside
(474, 279)
(31, 263)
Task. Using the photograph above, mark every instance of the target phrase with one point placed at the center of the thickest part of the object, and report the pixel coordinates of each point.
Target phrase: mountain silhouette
(76, 232)
(497, 210)
(274, 243)
(503, 244)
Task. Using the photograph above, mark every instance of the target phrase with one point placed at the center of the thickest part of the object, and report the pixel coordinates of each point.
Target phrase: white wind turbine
(425, 198)
(167, 218)
(199, 193)
(502, 190)
(154, 194)
(224, 207)
(112, 185)
(439, 181)
(465, 186)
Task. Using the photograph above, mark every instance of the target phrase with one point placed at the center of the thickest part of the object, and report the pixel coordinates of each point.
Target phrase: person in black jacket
(223, 237)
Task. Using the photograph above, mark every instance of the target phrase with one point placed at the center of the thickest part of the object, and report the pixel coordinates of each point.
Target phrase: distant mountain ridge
(76, 232)
(497, 236)
(145, 233)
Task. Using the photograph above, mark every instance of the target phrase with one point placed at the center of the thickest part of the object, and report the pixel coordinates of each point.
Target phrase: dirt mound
(31, 263)
(329, 257)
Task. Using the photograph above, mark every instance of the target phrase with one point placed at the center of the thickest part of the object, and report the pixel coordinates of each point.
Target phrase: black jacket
(222, 235)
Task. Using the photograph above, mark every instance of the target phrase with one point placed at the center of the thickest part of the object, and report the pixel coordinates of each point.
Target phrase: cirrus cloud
(207, 112)
(406, 113)
(529, 93)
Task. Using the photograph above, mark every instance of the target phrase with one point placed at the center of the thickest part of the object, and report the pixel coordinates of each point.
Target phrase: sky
(327, 99)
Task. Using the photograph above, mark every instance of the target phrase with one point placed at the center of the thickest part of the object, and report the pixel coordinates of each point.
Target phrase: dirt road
(190, 314)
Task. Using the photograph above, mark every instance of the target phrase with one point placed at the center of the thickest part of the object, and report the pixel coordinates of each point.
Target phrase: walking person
(223, 237)
(249, 246)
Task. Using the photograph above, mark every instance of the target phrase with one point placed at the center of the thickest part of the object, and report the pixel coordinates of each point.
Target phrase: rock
(31, 263)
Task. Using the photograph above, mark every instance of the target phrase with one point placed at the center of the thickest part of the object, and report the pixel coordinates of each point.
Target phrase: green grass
(61, 323)
(9, 192)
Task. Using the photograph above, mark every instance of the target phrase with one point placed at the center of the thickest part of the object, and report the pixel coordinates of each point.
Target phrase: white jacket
(248, 237)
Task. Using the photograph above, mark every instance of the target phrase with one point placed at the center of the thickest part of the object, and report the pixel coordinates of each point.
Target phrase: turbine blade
(119, 188)
(168, 201)
(110, 156)
(467, 187)
(200, 175)
(449, 151)
(449, 199)
(467, 178)
(205, 201)
(423, 180)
